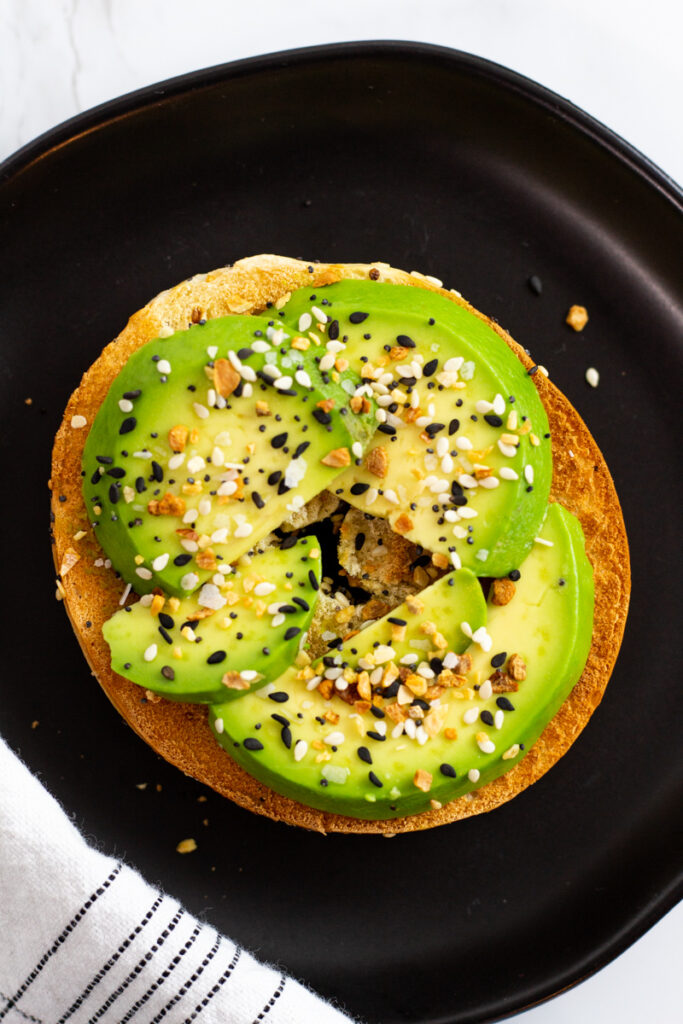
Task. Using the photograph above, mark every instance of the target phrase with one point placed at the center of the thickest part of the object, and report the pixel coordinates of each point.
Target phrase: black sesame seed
(300, 449)
(357, 318)
(359, 488)
(278, 440)
(322, 417)
(292, 632)
(280, 719)
(280, 697)
(396, 621)
(535, 284)
(359, 541)
(288, 542)
(106, 460)
(376, 736)
(130, 423)
(499, 659)
(140, 484)
(505, 704)
(453, 427)
(274, 477)
(430, 368)
(392, 689)
(114, 493)
(167, 672)
(487, 717)
(493, 420)
(433, 428)
(448, 770)
(166, 636)
(286, 736)
(385, 428)
(377, 712)
(216, 658)
(182, 559)
(333, 330)
(313, 580)
(257, 499)
(302, 604)
(514, 575)
(532, 371)
(364, 754)
(253, 744)
(166, 620)
(374, 780)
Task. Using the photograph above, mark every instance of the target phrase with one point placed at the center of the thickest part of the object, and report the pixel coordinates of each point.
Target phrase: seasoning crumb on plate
(592, 376)
(186, 846)
(577, 317)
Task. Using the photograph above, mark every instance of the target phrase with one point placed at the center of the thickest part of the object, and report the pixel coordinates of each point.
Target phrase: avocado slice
(480, 725)
(207, 440)
(237, 632)
(327, 725)
(461, 462)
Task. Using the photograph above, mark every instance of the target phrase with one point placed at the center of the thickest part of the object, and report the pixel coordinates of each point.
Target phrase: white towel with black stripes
(83, 938)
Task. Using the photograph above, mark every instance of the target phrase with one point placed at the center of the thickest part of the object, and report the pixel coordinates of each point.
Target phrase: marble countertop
(620, 60)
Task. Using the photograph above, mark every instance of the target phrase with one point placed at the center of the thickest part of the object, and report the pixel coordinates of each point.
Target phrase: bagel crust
(180, 732)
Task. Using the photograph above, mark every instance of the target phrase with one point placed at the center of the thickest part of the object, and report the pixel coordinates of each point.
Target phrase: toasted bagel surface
(180, 732)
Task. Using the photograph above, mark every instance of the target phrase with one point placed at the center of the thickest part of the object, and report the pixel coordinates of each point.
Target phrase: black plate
(428, 159)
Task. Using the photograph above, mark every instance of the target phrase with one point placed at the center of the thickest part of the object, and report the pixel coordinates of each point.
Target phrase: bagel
(179, 732)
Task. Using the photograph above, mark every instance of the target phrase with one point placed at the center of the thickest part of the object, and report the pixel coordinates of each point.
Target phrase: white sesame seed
(260, 346)
(499, 718)
(467, 513)
(499, 405)
(319, 315)
(489, 483)
(301, 377)
(410, 728)
(163, 366)
(463, 444)
(371, 496)
(486, 746)
(483, 407)
(219, 725)
(592, 376)
(305, 321)
(262, 589)
(470, 716)
(314, 682)
(248, 373)
(195, 464)
(272, 371)
(176, 460)
(125, 405)
(249, 675)
(189, 581)
(160, 562)
(465, 480)
(507, 473)
(124, 595)
(335, 346)
(546, 543)
(244, 530)
(466, 629)
(144, 454)
(189, 545)
(144, 574)
(165, 331)
(283, 383)
(334, 739)
(454, 364)
(473, 775)
(508, 450)
(397, 731)
(327, 362)
(151, 653)
(529, 473)
(200, 410)
(485, 690)
(357, 449)
(77, 422)
(456, 561)
(511, 752)
(300, 749)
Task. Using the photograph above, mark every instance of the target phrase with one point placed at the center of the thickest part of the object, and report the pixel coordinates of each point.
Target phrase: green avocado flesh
(466, 462)
(233, 635)
(339, 757)
(167, 517)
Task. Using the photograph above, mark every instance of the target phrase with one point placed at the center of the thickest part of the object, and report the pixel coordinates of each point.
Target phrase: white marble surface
(621, 60)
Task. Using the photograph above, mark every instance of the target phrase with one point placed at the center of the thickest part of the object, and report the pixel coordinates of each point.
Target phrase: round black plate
(428, 159)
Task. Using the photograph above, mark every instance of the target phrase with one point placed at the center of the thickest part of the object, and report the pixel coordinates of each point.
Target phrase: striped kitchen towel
(83, 938)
